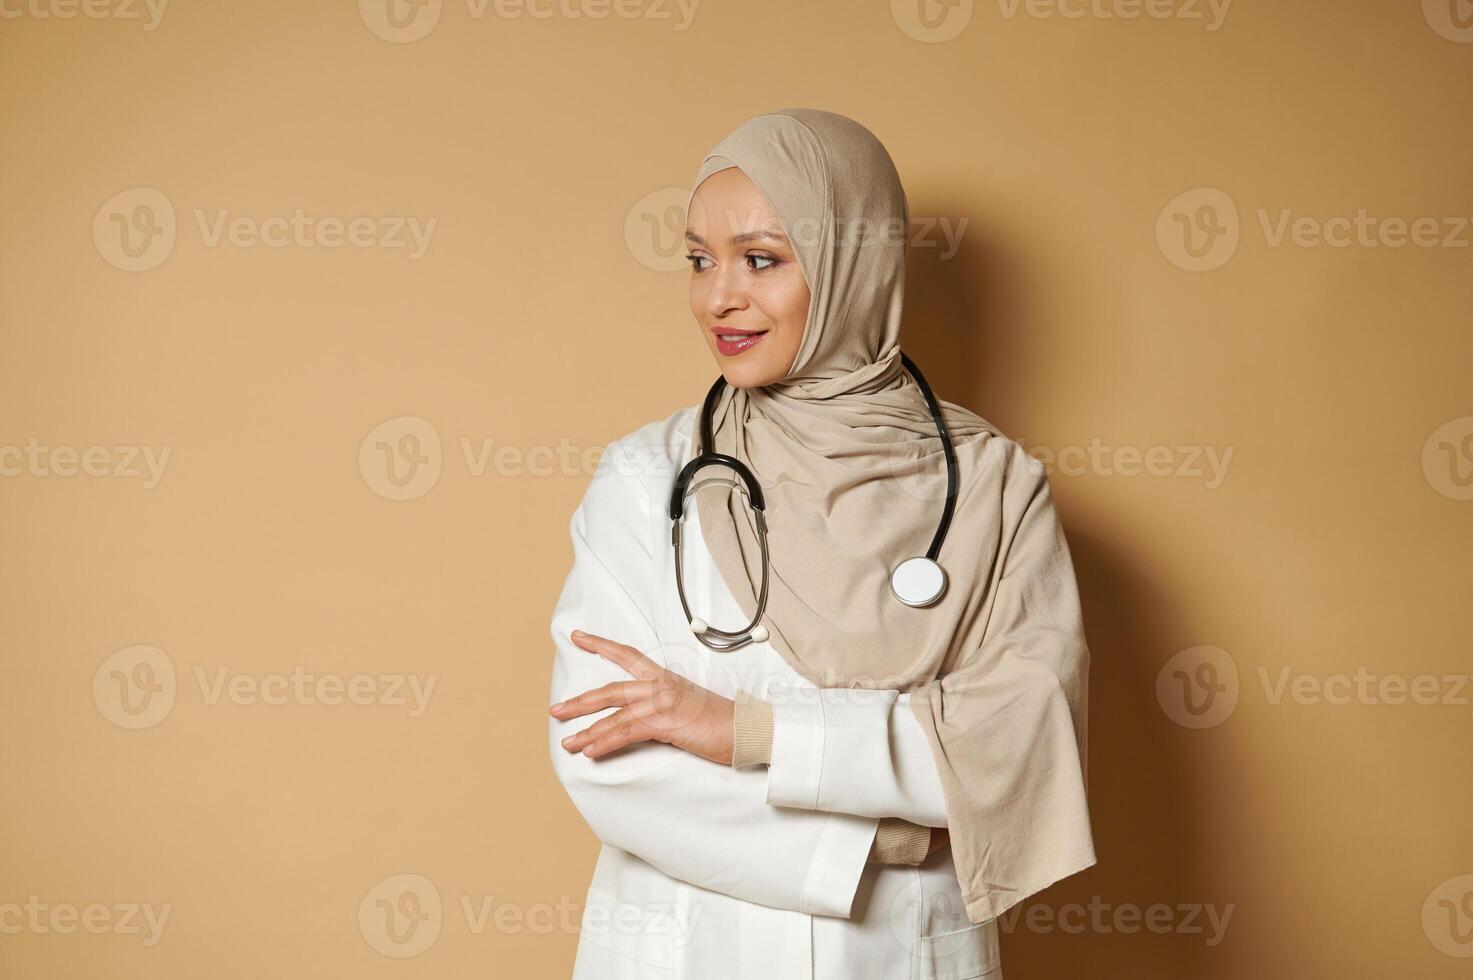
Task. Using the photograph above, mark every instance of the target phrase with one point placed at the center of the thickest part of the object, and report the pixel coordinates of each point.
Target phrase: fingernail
(578, 633)
(567, 740)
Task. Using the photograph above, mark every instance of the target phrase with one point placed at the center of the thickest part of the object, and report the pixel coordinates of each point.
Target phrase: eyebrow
(746, 236)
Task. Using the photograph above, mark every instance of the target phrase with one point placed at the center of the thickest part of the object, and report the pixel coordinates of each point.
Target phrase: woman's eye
(695, 262)
(763, 258)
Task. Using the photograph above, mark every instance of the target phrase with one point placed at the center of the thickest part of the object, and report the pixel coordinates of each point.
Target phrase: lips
(740, 340)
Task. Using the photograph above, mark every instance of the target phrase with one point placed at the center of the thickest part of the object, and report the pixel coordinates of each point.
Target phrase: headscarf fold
(854, 476)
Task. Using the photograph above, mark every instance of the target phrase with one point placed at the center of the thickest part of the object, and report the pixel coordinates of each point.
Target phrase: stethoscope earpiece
(917, 582)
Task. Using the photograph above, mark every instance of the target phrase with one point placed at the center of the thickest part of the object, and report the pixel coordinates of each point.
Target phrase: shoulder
(998, 459)
(1013, 482)
(650, 456)
(1022, 478)
(993, 457)
(1019, 465)
(635, 473)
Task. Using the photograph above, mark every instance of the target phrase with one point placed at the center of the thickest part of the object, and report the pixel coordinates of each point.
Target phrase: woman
(858, 787)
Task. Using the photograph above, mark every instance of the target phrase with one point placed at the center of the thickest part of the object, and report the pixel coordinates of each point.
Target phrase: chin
(753, 374)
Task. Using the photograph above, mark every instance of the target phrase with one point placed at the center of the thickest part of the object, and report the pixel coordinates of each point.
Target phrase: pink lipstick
(731, 340)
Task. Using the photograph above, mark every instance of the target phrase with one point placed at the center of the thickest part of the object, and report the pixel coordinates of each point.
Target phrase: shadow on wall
(968, 327)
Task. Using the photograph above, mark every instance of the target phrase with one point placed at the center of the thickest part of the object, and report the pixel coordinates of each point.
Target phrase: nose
(728, 290)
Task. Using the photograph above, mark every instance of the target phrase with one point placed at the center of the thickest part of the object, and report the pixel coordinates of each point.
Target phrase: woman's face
(747, 291)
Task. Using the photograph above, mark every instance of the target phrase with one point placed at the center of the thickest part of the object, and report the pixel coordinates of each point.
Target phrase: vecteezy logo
(400, 21)
(1451, 19)
(135, 687)
(1198, 229)
(1447, 916)
(1447, 458)
(401, 458)
(401, 915)
(654, 229)
(1198, 687)
(931, 21)
(135, 229)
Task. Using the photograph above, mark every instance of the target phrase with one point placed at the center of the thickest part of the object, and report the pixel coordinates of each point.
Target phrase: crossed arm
(845, 782)
(871, 762)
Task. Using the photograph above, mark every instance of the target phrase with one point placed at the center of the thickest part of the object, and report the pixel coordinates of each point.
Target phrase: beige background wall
(1300, 387)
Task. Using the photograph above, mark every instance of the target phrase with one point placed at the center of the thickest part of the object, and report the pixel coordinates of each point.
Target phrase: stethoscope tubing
(727, 640)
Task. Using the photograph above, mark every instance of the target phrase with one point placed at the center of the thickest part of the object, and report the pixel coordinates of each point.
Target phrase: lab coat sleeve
(853, 750)
(693, 819)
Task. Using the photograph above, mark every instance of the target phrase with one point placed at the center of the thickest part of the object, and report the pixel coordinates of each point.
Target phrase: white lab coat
(714, 873)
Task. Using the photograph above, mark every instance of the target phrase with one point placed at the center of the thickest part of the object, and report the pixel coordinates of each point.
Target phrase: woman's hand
(657, 705)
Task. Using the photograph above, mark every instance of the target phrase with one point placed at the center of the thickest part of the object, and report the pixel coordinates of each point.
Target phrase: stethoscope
(918, 581)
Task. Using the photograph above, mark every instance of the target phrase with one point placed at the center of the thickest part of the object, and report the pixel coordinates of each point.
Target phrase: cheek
(787, 303)
(795, 315)
(796, 312)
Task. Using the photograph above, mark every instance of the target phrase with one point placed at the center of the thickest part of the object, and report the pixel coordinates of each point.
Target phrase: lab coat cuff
(796, 765)
(751, 738)
(838, 863)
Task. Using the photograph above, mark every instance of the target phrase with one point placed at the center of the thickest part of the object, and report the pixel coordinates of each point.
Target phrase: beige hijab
(854, 477)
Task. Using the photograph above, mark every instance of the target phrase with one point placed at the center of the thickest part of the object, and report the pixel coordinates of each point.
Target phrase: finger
(625, 733)
(622, 654)
(603, 726)
(615, 692)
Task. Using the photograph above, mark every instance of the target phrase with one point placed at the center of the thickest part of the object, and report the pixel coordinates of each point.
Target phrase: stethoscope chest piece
(918, 582)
